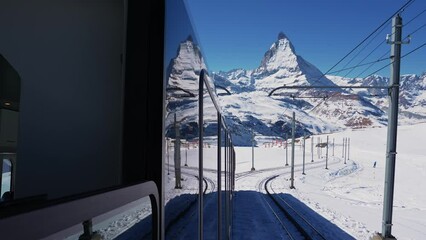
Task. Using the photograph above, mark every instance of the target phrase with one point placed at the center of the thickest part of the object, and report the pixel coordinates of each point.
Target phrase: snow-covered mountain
(249, 108)
(183, 75)
(282, 66)
(412, 97)
(184, 70)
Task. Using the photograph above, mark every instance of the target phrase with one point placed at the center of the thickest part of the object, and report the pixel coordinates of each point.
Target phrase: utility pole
(326, 155)
(286, 151)
(293, 129)
(178, 184)
(396, 42)
(252, 150)
(312, 148)
(186, 157)
(168, 157)
(304, 136)
(343, 148)
(346, 148)
(333, 147)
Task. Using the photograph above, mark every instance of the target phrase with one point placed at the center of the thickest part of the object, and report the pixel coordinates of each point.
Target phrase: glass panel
(210, 160)
(183, 64)
(223, 182)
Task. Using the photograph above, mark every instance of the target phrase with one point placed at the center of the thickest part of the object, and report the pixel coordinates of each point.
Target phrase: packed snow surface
(347, 197)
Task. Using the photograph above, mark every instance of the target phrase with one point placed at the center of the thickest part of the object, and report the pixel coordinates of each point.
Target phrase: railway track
(298, 168)
(189, 209)
(294, 224)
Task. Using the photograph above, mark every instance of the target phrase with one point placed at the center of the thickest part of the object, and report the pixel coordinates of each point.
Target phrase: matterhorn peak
(281, 65)
(189, 38)
(280, 55)
(281, 35)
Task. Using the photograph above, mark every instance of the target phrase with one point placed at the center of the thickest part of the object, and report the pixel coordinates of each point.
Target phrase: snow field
(351, 195)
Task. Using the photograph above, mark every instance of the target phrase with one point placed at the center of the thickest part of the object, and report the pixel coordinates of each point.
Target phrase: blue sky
(237, 33)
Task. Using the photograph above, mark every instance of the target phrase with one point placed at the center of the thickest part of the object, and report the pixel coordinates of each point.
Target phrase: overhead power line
(361, 65)
(414, 50)
(371, 34)
(409, 21)
(366, 45)
(387, 52)
(401, 9)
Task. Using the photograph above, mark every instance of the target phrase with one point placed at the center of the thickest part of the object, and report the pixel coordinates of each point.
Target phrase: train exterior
(105, 106)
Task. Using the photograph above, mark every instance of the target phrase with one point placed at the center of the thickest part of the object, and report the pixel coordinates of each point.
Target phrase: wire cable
(411, 20)
(400, 10)
(415, 17)
(414, 50)
(371, 40)
(387, 52)
(361, 65)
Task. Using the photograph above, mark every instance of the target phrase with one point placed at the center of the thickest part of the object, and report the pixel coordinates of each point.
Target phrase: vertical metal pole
(226, 182)
(312, 148)
(304, 140)
(232, 192)
(200, 155)
(228, 213)
(219, 176)
(293, 130)
(186, 157)
(343, 148)
(252, 150)
(326, 155)
(333, 147)
(286, 152)
(168, 157)
(392, 126)
(177, 158)
(346, 148)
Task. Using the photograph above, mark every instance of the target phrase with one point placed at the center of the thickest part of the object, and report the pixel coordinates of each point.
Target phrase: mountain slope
(252, 109)
(248, 108)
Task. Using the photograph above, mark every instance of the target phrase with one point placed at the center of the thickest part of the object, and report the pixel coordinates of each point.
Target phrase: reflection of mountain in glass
(182, 90)
(184, 70)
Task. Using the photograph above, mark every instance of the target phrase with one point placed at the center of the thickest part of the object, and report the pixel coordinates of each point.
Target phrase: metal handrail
(204, 76)
(326, 87)
(223, 88)
(203, 79)
(229, 160)
(175, 88)
(47, 221)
